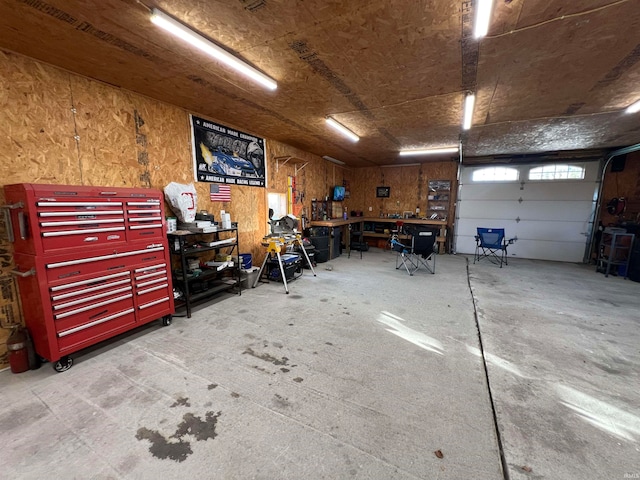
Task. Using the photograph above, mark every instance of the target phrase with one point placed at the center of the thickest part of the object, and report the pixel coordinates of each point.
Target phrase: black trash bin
(310, 249)
(320, 240)
(337, 242)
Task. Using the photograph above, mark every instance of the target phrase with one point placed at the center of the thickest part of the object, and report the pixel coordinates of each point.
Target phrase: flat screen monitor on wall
(338, 193)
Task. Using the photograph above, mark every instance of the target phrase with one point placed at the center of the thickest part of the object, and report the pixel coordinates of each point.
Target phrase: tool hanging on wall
(617, 206)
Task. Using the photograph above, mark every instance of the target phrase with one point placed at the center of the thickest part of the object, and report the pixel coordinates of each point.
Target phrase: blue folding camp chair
(492, 244)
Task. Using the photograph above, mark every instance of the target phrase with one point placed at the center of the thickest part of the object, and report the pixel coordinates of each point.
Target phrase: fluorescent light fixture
(633, 108)
(333, 160)
(342, 129)
(400, 165)
(483, 17)
(469, 102)
(183, 32)
(428, 151)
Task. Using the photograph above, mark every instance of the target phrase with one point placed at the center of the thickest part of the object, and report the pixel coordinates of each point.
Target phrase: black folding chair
(492, 244)
(356, 241)
(421, 251)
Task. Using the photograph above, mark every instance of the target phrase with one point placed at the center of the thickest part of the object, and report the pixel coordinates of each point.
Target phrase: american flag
(219, 193)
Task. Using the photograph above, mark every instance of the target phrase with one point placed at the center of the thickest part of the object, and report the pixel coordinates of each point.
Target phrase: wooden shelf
(290, 159)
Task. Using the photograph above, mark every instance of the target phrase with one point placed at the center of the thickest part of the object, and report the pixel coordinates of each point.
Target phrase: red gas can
(18, 352)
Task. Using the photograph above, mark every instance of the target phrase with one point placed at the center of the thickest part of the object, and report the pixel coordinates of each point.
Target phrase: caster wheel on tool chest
(64, 364)
(166, 320)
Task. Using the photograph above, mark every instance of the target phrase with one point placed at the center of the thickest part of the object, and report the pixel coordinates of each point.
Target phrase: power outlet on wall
(370, 209)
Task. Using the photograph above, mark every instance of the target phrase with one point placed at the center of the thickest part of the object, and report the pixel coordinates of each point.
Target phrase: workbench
(387, 223)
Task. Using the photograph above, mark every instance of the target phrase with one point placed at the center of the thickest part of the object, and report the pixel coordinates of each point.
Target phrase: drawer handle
(64, 333)
(151, 304)
(89, 281)
(28, 273)
(7, 219)
(98, 314)
(91, 239)
(89, 307)
(63, 233)
(22, 225)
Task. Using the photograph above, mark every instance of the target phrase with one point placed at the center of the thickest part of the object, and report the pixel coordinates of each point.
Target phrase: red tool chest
(92, 262)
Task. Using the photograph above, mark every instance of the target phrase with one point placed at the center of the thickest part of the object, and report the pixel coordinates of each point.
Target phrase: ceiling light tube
(469, 102)
(483, 18)
(400, 165)
(633, 108)
(333, 160)
(428, 151)
(342, 129)
(183, 32)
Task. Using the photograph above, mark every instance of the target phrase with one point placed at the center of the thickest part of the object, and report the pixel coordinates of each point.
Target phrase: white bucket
(248, 276)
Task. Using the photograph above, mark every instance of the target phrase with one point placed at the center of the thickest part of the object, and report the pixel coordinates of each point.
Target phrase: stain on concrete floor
(266, 357)
(184, 402)
(178, 451)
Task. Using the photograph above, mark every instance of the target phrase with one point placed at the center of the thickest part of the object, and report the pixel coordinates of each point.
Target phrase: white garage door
(552, 219)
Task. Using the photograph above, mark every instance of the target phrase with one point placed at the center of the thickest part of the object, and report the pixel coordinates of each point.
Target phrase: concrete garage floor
(361, 372)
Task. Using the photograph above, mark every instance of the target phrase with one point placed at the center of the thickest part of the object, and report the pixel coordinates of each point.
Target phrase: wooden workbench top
(339, 221)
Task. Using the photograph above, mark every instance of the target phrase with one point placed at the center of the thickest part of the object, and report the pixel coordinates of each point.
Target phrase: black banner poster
(224, 155)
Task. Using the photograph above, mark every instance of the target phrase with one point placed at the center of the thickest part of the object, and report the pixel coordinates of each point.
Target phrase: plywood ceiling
(550, 76)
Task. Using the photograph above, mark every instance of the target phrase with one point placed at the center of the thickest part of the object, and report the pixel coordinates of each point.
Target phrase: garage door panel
(490, 191)
(548, 250)
(532, 231)
(557, 231)
(591, 173)
(491, 209)
(465, 244)
(527, 210)
(558, 190)
(552, 211)
(469, 228)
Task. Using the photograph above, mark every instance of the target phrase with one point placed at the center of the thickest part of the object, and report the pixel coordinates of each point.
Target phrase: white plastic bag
(183, 200)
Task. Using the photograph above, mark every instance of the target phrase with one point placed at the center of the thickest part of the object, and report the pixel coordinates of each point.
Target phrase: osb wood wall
(315, 177)
(409, 188)
(622, 184)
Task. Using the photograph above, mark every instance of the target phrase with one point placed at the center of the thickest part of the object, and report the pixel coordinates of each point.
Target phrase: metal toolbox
(91, 262)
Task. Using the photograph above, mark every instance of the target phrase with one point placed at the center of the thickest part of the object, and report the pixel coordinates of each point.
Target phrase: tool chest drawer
(86, 312)
(97, 328)
(106, 261)
(152, 288)
(144, 219)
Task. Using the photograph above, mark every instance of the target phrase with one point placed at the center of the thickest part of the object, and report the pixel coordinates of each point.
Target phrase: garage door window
(495, 174)
(557, 172)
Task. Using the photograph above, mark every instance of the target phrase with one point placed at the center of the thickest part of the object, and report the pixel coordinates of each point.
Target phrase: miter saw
(285, 226)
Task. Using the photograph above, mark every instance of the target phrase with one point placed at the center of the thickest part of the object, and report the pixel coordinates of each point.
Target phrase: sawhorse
(274, 247)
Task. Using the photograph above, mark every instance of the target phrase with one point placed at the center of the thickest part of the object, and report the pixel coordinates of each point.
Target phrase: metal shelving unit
(615, 250)
(196, 287)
